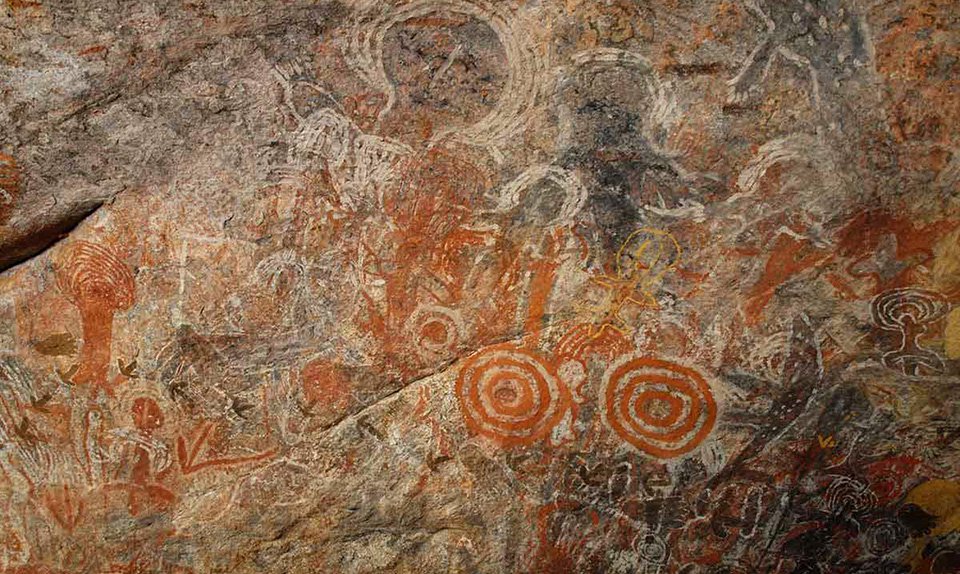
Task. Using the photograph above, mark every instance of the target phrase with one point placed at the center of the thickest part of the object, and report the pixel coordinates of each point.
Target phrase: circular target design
(436, 331)
(511, 396)
(847, 496)
(903, 308)
(95, 275)
(652, 549)
(661, 408)
(884, 536)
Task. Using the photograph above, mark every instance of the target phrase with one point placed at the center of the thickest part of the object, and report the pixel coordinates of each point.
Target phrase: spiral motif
(511, 396)
(846, 495)
(901, 308)
(93, 273)
(884, 536)
(659, 407)
(652, 549)
(436, 331)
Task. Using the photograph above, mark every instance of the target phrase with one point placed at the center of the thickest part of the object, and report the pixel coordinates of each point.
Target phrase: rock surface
(480, 286)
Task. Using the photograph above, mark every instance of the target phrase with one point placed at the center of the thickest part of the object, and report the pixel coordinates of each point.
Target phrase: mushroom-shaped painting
(99, 284)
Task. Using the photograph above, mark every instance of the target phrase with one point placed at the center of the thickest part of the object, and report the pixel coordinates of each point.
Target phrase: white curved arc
(575, 194)
(522, 90)
(664, 106)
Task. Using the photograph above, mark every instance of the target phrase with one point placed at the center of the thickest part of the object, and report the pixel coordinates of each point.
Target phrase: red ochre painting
(480, 287)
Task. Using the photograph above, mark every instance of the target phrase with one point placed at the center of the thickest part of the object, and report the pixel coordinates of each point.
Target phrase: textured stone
(480, 286)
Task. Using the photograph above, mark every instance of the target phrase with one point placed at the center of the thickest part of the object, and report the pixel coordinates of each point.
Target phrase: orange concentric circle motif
(662, 408)
(436, 331)
(511, 395)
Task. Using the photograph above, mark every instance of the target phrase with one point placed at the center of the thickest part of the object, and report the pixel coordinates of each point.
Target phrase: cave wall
(480, 286)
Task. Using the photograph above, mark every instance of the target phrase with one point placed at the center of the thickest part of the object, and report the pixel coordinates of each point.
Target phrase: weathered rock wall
(480, 286)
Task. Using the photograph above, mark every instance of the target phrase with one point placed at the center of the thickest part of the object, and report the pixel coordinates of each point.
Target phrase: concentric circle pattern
(653, 549)
(661, 408)
(436, 331)
(848, 496)
(94, 273)
(511, 396)
(902, 308)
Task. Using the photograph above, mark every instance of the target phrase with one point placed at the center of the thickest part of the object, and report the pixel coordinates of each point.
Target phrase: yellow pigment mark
(940, 499)
(641, 262)
(951, 335)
